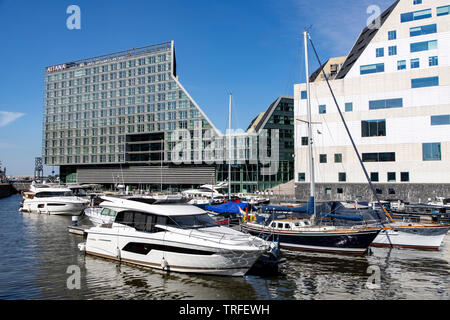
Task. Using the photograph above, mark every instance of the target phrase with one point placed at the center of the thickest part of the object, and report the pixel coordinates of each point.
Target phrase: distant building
(331, 68)
(250, 176)
(394, 91)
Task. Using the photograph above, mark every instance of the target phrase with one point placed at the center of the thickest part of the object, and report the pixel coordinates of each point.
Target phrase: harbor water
(40, 258)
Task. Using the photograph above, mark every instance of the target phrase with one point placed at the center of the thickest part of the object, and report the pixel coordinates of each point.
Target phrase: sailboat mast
(229, 150)
(310, 150)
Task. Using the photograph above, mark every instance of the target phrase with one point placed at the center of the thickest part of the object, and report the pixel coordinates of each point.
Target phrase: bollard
(74, 221)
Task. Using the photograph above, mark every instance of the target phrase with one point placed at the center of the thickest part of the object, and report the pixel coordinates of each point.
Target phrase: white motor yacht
(53, 200)
(206, 191)
(172, 237)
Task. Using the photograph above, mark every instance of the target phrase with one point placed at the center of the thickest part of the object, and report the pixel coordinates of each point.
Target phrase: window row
(110, 67)
(374, 177)
(76, 85)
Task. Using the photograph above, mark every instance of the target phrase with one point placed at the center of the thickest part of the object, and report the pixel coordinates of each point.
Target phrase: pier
(6, 189)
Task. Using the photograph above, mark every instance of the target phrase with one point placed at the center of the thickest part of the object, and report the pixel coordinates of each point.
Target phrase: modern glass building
(125, 118)
(275, 124)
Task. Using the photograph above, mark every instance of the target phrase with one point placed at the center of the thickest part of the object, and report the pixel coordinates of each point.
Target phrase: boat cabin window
(108, 212)
(194, 221)
(79, 192)
(280, 225)
(287, 226)
(141, 221)
(47, 194)
(273, 225)
(146, 222)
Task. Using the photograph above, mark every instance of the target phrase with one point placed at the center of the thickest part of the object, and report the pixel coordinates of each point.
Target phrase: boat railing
(192, 233)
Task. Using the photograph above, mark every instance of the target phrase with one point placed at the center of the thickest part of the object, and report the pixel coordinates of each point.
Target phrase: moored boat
(424, 236)
(175, 237)
(53, 201)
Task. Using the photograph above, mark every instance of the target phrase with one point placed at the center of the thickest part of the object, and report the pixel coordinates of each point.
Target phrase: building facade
(394, 92)
(274, 165)
(125, 118)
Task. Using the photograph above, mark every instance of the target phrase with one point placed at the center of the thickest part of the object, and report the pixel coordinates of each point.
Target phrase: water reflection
(112, 280)
(37, 249)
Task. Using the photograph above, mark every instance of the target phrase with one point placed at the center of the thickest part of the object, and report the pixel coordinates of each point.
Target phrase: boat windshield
(47, 194)
(194, 221)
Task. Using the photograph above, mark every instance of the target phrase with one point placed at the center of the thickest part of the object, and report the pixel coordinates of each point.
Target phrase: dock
(6, 189)
(422, 212)
(79, 230)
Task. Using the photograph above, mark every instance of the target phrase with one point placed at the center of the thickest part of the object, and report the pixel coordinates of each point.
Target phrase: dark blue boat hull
(349, 243)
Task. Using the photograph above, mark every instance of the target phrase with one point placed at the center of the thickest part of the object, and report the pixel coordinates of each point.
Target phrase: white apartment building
(394, 92)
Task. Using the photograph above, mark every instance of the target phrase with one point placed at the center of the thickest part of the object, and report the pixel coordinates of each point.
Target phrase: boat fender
(118, 254)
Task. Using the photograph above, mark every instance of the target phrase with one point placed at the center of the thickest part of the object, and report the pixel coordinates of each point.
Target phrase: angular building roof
(260, 121)
(363, 40)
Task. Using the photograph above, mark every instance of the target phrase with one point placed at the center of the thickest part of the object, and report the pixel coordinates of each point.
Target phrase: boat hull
(212, 267)
(422, 238)
(54, 207)
(355, 242)
(170, 255)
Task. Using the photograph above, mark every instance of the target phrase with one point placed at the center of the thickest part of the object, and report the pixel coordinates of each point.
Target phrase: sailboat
(305, 234)
(425, 236)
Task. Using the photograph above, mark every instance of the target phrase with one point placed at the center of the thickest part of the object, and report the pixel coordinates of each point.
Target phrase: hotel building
(126, 118)
(394, 92)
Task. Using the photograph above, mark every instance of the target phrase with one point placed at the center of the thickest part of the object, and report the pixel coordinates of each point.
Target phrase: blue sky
(252, 48)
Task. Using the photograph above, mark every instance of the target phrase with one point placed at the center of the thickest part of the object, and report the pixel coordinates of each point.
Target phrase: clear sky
(252, 48)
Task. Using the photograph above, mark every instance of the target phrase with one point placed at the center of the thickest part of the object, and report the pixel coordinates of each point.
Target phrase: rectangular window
(423, 46)
(440, 120)
(323, 158)
(378, 157)
(401, 65)
(421, 30)
(322, 109)
(372, 68)
(415, 15)
(424, 82)
(338, 157)
(441, 11)
(304, 141)
(392, 50)
(374, 176)
(373, 128)
(385, 104)
(415, 63)
(404, 176)
(304, 94)
(391, 177)
(431, 151)
(301, 176)
(392, 35)
(379, 52)
(417, 1)
(433, 61)
(348, 106)
(342, 177)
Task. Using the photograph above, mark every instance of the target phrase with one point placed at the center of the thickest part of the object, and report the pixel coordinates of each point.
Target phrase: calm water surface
(36, 251)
